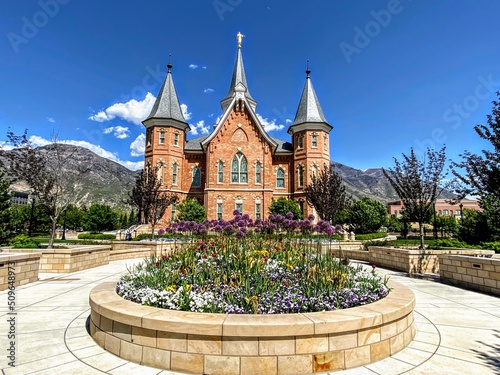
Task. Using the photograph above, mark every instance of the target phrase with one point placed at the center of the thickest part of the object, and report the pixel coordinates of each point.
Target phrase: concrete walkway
(458, 331)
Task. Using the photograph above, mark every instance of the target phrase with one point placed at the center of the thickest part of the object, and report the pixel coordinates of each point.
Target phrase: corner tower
(310, 138)
(166, 131)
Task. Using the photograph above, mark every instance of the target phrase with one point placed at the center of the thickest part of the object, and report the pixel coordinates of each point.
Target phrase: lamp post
(434, 227)
(461, 210)
(30, 229)
(63, 237)
(404, 222)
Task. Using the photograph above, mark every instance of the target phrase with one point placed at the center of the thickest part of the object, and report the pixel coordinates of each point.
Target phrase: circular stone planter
(252, 344)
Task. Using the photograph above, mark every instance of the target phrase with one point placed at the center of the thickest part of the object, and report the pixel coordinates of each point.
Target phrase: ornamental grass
(251, 275)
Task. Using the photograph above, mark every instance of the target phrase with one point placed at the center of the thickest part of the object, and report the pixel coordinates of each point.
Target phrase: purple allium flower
(289, 215)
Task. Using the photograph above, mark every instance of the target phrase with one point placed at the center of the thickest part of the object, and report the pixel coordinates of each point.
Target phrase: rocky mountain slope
(108, 182)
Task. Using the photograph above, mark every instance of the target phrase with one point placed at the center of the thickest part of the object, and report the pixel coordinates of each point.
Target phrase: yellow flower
(171, 288)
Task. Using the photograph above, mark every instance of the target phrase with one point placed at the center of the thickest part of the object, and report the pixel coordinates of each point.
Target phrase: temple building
(238, 166)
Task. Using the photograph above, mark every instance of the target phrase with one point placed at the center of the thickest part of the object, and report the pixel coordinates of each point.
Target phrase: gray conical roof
(309, 109)
(167, 104)
(238, 78)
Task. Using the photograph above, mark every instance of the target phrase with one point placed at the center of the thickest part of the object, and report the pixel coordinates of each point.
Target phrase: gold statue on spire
(239, 37)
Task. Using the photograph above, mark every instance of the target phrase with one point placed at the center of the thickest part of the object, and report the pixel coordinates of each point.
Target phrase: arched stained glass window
(258, 173)
(220, 172)
(239, 169)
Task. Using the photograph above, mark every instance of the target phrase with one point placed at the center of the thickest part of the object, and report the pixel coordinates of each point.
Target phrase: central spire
(238, 80)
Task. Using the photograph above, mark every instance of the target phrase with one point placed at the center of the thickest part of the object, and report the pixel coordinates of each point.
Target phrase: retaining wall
(252, 344)
(473, 273)
(23, 269)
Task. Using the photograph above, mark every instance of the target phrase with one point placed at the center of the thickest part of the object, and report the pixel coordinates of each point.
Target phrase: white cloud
(51, 119)
(185, 113)
(269, 126)
(137, 147)
(120, 132)
(6, 146)
(193, 66)
(203, 67)
(199, 127)
(288, 121)
(39, 141)
(133, 111)
(208, 90)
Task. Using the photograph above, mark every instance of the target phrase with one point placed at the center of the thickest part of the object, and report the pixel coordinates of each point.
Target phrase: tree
(99, 217)
(73, 217)
(150, 197)
(190, 210)
(367, 215)
(5, 204)
(137, 198)
(479, 175)
(417, 183)
(43, 170)
(327, 194)
(282, 206)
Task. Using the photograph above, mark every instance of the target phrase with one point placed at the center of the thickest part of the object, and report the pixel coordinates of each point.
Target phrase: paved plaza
(458, 331)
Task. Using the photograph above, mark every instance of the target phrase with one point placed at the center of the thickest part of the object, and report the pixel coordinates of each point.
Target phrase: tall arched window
(280, 178)
(220, 172)
(258, 173)
(196, 177)
(300, 176)
(239, 169)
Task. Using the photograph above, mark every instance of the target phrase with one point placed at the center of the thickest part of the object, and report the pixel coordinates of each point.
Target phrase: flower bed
(256, 275)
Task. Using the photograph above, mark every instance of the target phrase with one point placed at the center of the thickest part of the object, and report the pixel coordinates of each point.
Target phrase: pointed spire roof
(238, 80)
(167, 106)
(309, 109)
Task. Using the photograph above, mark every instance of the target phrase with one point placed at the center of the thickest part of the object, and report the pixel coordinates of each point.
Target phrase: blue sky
(390, 75)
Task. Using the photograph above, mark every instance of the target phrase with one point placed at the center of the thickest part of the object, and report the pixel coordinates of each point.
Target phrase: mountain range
(109, 183)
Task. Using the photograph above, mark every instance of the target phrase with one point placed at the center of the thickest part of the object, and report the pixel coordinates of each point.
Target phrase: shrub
(491, 246)
(370, 236)
(96, 236)
(22, 241)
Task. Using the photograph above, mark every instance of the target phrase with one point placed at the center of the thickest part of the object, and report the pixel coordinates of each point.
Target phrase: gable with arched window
(239, 169)
(280, 178)
(196, 177)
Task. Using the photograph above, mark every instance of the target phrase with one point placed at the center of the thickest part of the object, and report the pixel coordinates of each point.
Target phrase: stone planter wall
(25, 268)
(75, 258)
(143, 249)
(252, 344)
(415, 261)
(472, 273)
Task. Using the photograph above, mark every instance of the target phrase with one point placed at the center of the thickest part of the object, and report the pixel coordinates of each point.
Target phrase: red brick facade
(238, 165)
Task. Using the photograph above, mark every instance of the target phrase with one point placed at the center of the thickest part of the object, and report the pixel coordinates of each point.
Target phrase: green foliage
(367, 215)
(491, 246)
(22, 241)
(447, 242)
(96, 236)
(190, 210)
(394, 224)
(473, 228)
(370, 236)
(446, 225)
(99, 217)
(72, 217)
(282, 206)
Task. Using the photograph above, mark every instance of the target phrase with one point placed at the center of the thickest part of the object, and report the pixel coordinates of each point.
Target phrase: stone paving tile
(132, 369)
(454, 323)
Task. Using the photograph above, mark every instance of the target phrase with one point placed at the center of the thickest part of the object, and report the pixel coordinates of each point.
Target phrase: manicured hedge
(96, 236)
